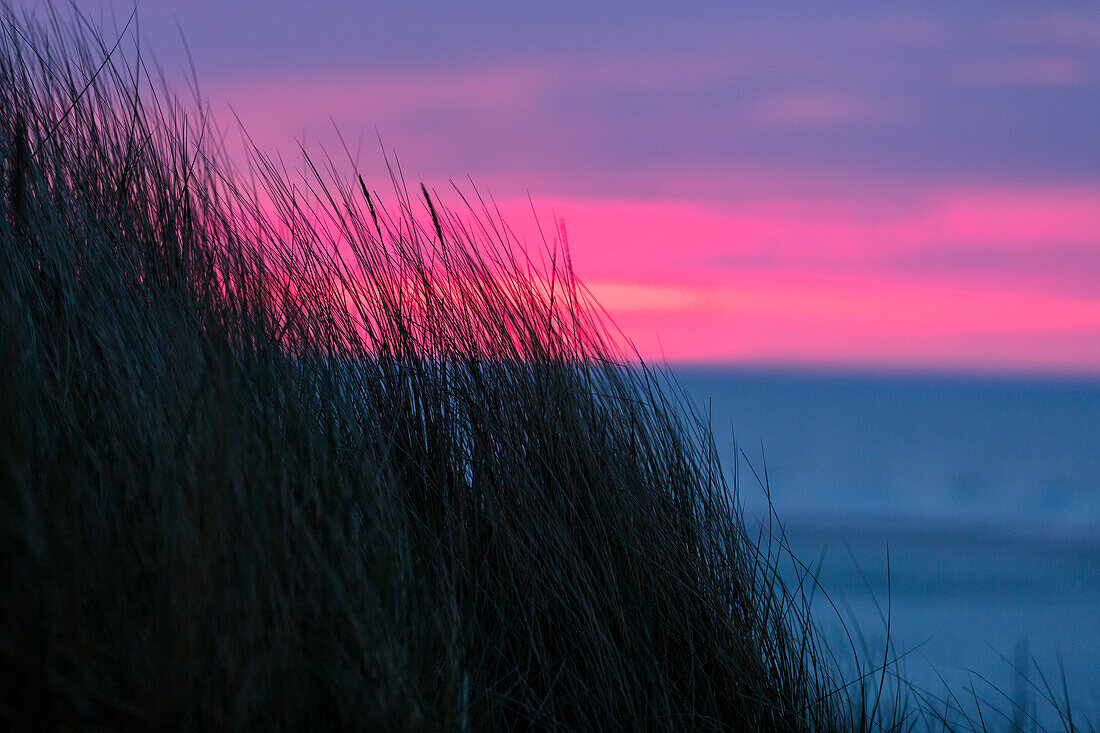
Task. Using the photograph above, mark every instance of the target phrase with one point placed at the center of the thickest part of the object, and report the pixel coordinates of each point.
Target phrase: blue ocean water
(983, 492)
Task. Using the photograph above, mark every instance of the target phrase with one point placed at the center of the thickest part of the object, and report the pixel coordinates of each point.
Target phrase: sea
(952, 524)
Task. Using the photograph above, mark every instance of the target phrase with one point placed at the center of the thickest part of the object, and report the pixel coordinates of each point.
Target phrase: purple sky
(912, 185)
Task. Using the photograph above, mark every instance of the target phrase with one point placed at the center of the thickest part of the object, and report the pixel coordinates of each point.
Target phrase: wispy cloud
(1058, 26)
(1055, 70)
(979, 277)
(822, 107)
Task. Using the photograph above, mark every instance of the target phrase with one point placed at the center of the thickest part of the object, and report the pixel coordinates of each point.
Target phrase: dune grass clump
(276, 455)
(279, 456)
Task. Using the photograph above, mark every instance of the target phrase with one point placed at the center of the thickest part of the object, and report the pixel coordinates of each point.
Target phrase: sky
(866, 185)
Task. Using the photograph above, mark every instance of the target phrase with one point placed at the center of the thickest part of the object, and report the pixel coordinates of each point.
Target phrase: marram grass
(274, 454)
